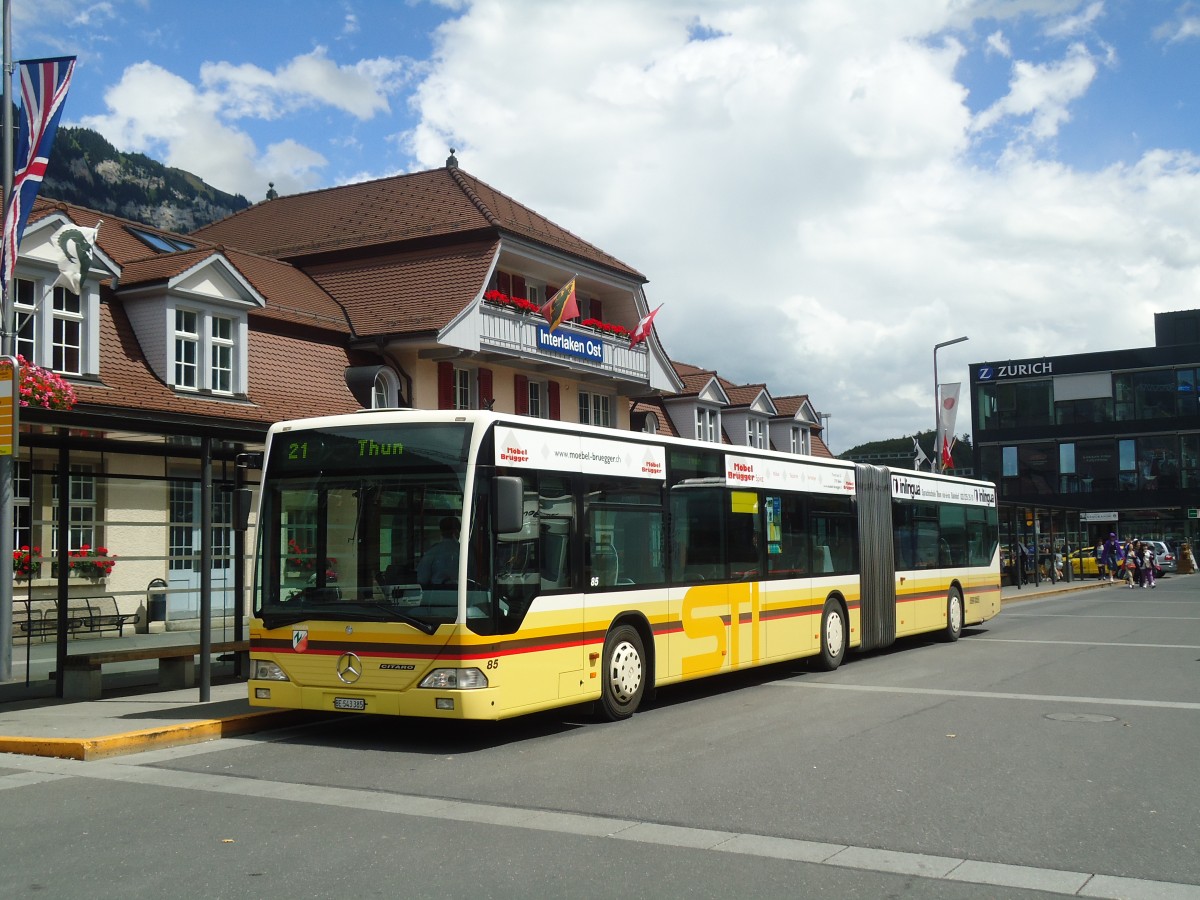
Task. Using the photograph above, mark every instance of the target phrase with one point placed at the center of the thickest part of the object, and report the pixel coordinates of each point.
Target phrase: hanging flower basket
(43, 388)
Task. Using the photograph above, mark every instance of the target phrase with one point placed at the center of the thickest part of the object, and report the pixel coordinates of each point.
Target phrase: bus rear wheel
(954, 615)
(624, 675)
(833, 635)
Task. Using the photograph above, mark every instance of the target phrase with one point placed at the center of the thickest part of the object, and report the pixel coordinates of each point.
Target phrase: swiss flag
(947, 459)
(643, 328)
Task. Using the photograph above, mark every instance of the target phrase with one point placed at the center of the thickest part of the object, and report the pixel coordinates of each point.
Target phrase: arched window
(385, 394)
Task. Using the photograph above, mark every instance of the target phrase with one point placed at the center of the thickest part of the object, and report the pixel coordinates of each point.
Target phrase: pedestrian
(1147, 565)
(1099, 554)
(1111, 553)
(1128, 566)
(1023, 561)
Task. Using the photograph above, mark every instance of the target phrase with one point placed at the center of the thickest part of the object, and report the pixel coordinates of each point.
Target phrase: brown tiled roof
(790, 405)
(653, 406)
(290, 295)
(742, 394)
(275, 389)
(437, 206)
(409, 293)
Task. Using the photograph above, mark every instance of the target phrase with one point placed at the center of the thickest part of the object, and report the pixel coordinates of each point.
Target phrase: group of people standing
(1131, 561)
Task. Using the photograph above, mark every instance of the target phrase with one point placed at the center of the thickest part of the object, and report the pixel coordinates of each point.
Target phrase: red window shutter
(518, 287)
(504, 283)
(521, 388)
(485, 388)
(445, 385)
(552, 391)
(595, 310)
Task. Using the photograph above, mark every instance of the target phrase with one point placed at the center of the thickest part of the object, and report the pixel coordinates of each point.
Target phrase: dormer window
(756, 433)
(52, 326)
(206, 354)
(708, 424)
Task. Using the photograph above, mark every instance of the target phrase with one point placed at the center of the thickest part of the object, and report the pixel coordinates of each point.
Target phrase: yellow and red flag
(561, 306)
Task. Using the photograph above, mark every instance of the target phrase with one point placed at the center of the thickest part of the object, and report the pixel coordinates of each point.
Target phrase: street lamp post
(937, 402)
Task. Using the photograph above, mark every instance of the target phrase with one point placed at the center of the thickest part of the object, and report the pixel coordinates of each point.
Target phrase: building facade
(1087, 444)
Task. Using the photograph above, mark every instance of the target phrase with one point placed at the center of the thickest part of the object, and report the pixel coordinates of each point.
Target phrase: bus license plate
(349, 703)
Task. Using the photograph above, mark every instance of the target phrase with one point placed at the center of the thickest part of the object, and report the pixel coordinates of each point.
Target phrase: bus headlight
(265, 670)
(455, 679)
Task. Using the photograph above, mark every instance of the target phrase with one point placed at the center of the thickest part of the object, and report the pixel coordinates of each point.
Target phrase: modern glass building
(1085, 444)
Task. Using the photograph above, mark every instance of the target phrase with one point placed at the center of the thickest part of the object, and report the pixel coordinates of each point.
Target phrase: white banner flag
(949, 410)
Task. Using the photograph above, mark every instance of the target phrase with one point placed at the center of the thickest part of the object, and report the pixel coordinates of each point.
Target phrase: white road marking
(838, 855)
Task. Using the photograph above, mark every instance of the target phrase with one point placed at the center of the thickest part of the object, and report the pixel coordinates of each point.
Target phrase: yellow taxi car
(1083, 563)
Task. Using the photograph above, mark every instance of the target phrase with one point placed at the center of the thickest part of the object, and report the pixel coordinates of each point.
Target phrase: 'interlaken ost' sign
(585, 347)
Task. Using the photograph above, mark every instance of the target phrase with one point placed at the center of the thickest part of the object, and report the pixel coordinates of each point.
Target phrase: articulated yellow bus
(474, 565)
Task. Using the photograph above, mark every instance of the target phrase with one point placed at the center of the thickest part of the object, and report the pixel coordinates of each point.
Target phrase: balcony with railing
(597, 348)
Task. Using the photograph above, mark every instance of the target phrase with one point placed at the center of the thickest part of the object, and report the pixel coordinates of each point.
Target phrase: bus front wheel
(954, 615)
(624, 676)
(833, 635)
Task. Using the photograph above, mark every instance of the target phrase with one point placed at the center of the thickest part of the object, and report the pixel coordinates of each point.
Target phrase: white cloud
(305, 81)
(1043, 93)
(997, 43)
(158, 113)
(800, 189)
(1186, 27)
(1073, 25)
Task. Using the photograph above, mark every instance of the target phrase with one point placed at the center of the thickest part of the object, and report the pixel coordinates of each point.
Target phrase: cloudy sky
(818, 190)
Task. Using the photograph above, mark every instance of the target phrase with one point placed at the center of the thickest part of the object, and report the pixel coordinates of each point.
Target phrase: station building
(1091, 443)
(418, 290)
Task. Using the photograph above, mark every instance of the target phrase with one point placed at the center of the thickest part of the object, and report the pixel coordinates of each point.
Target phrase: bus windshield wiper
(391, 612)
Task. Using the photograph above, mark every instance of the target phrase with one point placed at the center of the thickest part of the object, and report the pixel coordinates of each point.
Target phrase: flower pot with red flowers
(91, 563)
(27, 562)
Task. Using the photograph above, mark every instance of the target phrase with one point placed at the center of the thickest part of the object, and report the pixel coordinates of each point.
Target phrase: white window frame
(43, 317)
(221, 354)
(466, 390)
(385, 392)
(756, 433)
(538, 397)
(82, 514)
(708, 424)
(595, 409)
(210, 349)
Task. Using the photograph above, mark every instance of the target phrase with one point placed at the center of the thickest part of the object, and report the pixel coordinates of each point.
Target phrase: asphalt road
(1052, 752)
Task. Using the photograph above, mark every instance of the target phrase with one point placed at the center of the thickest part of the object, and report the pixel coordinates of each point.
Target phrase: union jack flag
(44, 84)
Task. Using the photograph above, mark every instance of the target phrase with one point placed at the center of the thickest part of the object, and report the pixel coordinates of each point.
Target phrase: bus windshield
(362, 523)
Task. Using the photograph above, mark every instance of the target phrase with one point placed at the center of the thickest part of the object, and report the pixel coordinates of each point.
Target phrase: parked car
(1163, 557)
(1083, 563)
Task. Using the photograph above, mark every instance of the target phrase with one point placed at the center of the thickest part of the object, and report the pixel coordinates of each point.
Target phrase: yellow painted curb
(150, 738)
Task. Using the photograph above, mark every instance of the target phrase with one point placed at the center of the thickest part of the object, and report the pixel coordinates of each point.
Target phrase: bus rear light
(455, 679)
(265, 670)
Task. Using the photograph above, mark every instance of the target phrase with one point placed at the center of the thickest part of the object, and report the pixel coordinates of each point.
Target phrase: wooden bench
(176, 666)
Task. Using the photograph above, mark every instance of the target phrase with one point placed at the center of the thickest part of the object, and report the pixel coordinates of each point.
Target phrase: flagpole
(936, 464)
(6, 349)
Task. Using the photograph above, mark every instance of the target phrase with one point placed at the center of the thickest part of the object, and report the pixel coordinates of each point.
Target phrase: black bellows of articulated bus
(877, 584)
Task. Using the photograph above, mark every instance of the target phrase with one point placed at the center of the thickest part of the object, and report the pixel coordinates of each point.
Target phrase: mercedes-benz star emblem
(349, 668)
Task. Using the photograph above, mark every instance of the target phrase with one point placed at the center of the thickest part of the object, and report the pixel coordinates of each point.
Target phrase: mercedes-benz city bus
(570, 564)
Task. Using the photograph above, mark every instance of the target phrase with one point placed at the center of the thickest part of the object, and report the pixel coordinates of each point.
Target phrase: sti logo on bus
(1015, 370)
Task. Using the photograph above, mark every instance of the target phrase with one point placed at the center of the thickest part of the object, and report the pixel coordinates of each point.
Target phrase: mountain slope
(86, 169)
